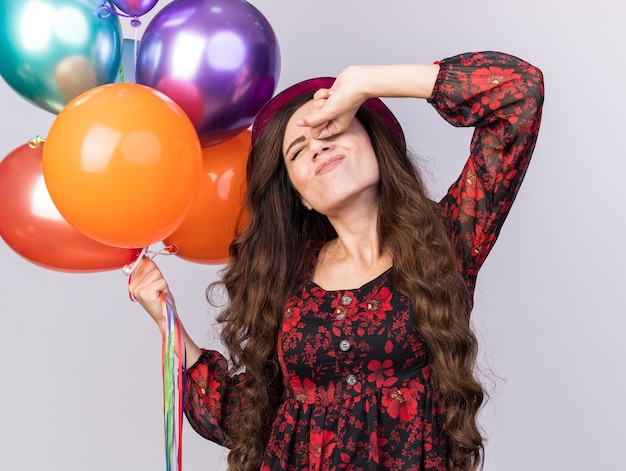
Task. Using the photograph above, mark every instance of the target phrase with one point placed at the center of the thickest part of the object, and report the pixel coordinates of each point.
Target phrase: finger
(147, 281)
(317, 118)
(150, 287)
(327, 130)
(144, 265)
(319, 114)
(322, 93)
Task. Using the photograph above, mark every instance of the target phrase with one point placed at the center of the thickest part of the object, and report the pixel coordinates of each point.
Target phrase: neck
(357, 239)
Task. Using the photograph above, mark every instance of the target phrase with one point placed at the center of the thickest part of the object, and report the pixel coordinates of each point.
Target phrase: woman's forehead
(292, 129)
(300, 112)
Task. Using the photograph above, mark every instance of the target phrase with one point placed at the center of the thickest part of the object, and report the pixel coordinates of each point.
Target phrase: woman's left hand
(334, 108)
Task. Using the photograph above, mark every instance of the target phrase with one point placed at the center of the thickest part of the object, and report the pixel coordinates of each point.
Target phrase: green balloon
(54, 50)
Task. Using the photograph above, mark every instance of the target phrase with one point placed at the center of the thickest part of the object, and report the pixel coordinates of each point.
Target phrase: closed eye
(297, 141)
(296, 153)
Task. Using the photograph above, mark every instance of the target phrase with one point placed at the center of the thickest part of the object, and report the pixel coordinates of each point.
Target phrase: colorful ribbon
(174, 365)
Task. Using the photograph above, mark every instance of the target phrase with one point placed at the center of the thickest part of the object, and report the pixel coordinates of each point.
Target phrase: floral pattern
(357, 394)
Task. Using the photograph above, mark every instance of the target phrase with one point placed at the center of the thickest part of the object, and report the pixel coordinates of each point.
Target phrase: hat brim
(311, 86)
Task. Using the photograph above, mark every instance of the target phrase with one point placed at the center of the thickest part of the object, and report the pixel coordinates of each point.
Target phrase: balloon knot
(105, 9)
(171, 249)
(145, 252)
(130, 268)
(36, 141)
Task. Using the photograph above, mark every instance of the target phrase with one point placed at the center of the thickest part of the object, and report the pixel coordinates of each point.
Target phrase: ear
(306, 204)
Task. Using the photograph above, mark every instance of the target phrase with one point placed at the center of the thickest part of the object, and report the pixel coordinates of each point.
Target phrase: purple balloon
(135, 7)
(218, 59)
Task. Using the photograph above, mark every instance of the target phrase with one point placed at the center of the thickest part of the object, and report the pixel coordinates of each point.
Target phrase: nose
(318, 146)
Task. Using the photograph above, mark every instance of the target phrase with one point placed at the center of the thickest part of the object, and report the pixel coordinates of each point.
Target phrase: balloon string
(130, 268)
(167, 250)
(144, 252)
(135, 50)
(173, 386)
(173, 383)
(106, 9)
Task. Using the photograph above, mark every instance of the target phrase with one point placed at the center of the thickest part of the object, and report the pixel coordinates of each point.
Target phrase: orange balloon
(122, 163)
(208, 229)
(33, 227)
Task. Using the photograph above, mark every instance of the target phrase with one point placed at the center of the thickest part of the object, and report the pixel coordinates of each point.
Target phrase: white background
(80, 365)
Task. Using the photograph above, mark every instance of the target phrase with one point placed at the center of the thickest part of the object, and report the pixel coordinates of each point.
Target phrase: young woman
(347, 326)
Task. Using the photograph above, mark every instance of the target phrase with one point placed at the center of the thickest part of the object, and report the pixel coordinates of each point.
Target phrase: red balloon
(32, 226)
(205, 234)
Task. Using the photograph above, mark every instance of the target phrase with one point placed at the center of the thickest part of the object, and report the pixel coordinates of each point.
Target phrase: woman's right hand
(146, 285)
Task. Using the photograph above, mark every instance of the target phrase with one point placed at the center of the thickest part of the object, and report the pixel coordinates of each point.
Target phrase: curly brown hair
(270, 254)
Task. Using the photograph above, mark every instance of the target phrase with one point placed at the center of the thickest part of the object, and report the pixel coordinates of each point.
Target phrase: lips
(329, 164)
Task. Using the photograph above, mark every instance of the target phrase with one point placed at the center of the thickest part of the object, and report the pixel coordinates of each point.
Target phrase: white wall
(80, 365)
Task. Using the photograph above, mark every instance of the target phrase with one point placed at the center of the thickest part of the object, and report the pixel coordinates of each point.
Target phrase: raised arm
(501, 96)
(336, 106)
(498, 94)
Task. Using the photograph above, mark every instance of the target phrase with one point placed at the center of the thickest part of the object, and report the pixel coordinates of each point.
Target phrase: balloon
(218, 59)
(127, 68)
(205, 234)
(135, 7)
(122, 163)
(32, 226)
(54, 50)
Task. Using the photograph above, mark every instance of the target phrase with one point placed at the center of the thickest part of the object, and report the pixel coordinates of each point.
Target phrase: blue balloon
(54, 50)
(218, 59)
(127, 68)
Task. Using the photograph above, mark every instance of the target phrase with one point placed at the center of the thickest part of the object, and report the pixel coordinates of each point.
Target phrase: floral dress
(357, 391)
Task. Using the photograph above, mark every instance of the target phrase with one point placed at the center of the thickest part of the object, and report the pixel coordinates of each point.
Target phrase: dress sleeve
(212, 397)
(502, 97)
